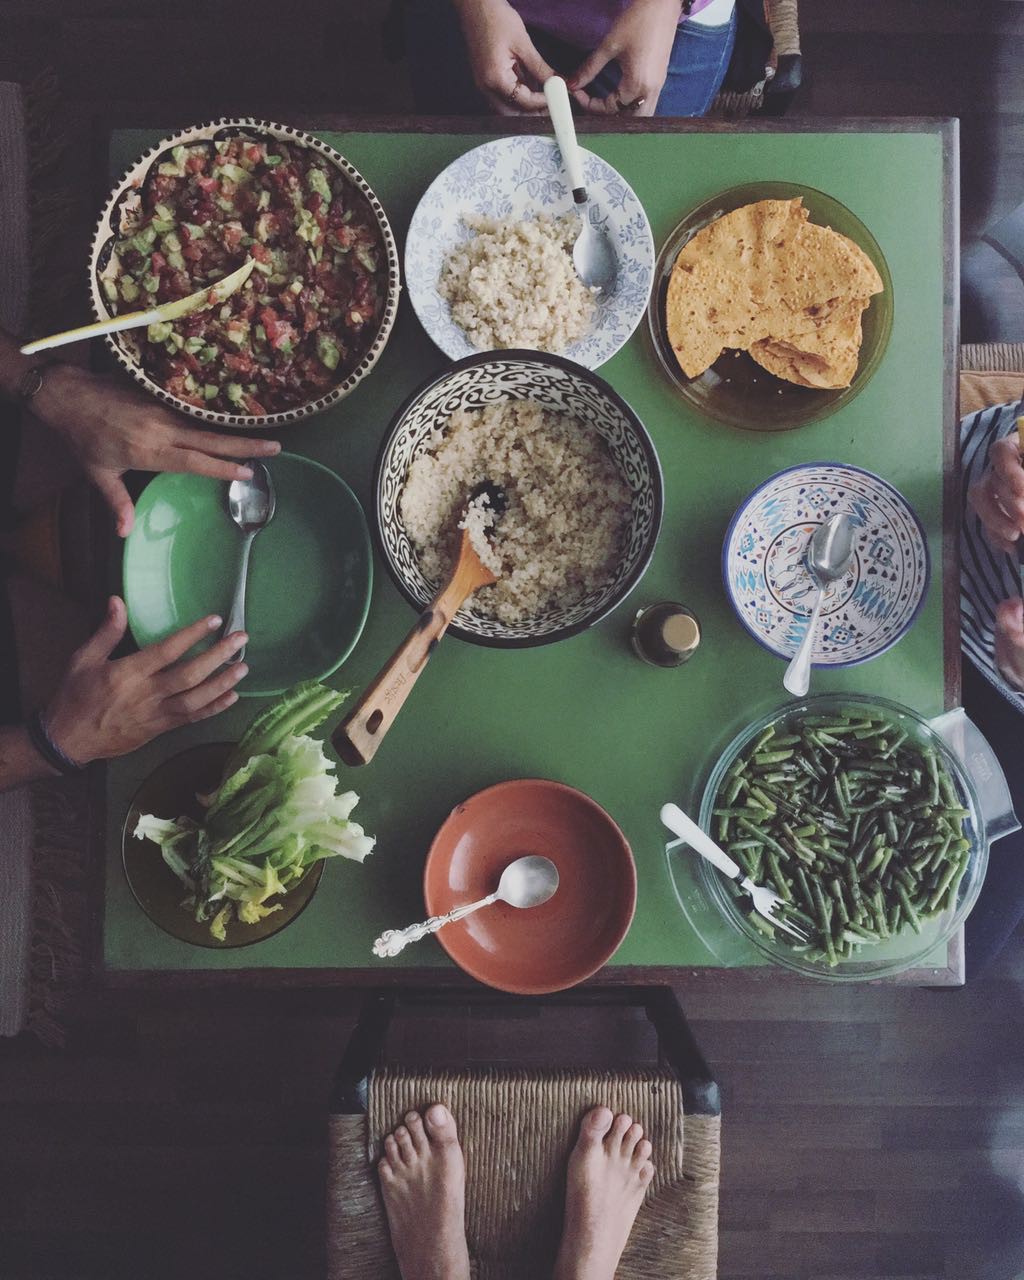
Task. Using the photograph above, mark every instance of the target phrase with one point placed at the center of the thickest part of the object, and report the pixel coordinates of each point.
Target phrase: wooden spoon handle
(359, 735)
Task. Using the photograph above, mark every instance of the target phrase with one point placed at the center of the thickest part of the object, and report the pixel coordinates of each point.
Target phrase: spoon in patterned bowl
(593, 254)
(828, 558)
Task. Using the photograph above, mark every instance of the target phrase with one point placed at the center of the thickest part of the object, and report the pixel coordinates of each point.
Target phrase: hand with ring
(640, 40)
(630, 108)
(507, 69)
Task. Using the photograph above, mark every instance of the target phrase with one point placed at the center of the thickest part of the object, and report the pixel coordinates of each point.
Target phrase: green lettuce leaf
(298, 711)
(276, 811)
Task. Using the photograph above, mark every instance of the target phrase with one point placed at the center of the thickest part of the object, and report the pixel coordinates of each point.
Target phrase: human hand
(641, 41)
(105, 707)
(1010, 642)
(998, 497)
(112, 429)
(502, 56)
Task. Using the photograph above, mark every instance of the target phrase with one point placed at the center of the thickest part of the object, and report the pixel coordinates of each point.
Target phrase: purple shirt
(581, 23)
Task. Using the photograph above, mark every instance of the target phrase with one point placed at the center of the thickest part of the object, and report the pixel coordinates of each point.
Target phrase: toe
(646, 1173)
(414, 1123)
(391, 1151)
(642, 1152)
(440, 1124)
(386, 1172)
(405, 1147)
(619, 1129)
(630, 1138)
(595, 1125)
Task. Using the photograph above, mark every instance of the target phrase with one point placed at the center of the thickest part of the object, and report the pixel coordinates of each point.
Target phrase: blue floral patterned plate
(763, 563)
(521, 177)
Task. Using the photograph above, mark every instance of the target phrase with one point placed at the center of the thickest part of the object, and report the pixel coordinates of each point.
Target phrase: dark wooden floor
(869, 1133)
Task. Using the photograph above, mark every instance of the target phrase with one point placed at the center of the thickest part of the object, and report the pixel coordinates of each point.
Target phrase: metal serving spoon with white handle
(593, 254)
(828, 558)
(527, 882)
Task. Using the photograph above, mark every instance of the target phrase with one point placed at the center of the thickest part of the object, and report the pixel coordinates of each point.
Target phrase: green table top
(586, 711)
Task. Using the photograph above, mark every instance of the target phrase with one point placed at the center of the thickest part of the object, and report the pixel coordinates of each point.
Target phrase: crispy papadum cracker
(786, 361)
(716, 292)
(764, 273)
(821, 354)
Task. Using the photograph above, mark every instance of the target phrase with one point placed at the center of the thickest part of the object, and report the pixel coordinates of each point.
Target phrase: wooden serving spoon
(359, 735)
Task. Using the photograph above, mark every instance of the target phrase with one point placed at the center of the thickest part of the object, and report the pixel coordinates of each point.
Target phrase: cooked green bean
(837, 897)
(954, 871)
(856, 826)
(773, 757)
(908, 908)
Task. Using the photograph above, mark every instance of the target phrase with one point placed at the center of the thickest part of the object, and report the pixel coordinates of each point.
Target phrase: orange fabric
(980, 390)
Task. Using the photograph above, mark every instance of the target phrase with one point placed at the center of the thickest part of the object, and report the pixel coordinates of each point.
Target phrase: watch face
(31, 381)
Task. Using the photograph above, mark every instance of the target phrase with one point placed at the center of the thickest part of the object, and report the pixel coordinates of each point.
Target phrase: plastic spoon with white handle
(593, 254)
(208, 296)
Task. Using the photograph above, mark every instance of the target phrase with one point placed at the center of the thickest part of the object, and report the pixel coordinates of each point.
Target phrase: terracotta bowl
(126, 346)
(546, 948)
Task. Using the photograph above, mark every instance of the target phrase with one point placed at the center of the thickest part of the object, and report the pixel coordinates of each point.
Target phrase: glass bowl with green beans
(856, 811)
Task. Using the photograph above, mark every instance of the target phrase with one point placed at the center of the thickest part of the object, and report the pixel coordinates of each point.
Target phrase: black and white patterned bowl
(554, 383)
(125, 195)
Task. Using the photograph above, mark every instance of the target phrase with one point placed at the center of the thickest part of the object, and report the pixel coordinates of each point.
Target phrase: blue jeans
(443, 84)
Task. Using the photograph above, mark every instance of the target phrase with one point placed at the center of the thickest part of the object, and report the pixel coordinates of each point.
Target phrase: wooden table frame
(145, 115)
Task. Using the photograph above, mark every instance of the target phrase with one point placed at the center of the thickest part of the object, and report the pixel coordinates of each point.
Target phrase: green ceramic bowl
(310, 573)
(736, 390)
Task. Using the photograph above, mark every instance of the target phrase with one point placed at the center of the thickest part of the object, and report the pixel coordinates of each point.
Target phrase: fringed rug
(44, 906)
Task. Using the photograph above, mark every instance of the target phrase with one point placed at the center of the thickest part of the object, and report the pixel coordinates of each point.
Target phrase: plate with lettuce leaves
(224, 844)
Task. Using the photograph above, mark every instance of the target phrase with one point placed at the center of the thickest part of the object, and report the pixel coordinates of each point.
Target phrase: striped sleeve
(987, 576)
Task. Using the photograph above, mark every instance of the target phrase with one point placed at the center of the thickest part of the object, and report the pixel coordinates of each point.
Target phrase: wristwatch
(30, 383)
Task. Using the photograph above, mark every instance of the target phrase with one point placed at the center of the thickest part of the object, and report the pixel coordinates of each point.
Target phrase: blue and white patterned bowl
(521, 177)
(763, 563)
(488, 378)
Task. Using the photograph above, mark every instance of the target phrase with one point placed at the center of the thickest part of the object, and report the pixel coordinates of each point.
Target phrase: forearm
(19, 760)
(13, 365)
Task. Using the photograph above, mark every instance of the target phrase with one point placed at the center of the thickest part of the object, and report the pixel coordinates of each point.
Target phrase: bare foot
(423, 1181)
(610, 1170)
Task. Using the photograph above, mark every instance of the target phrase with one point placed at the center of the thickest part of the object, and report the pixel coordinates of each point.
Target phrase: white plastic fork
(765, 901)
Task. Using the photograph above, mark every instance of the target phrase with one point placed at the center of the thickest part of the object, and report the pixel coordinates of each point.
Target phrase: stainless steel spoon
(593, 254)
(527, 882)
(251, 504)
(828, 558)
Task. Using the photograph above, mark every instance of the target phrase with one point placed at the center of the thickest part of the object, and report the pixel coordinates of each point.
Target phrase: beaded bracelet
(47, 748)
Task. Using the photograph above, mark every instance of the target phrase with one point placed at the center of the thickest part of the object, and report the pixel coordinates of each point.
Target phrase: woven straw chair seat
(517, 1128)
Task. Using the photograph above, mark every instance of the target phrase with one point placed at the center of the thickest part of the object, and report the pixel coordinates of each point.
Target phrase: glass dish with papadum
(772, 306)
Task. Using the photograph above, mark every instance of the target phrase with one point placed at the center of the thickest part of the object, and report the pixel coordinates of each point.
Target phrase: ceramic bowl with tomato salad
(317, 309)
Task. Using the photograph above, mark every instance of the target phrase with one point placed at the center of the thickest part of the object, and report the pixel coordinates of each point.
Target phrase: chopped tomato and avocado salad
(309, 310)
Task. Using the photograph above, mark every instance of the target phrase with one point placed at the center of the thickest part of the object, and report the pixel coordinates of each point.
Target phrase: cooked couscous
(568, 506)
(514, 284)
